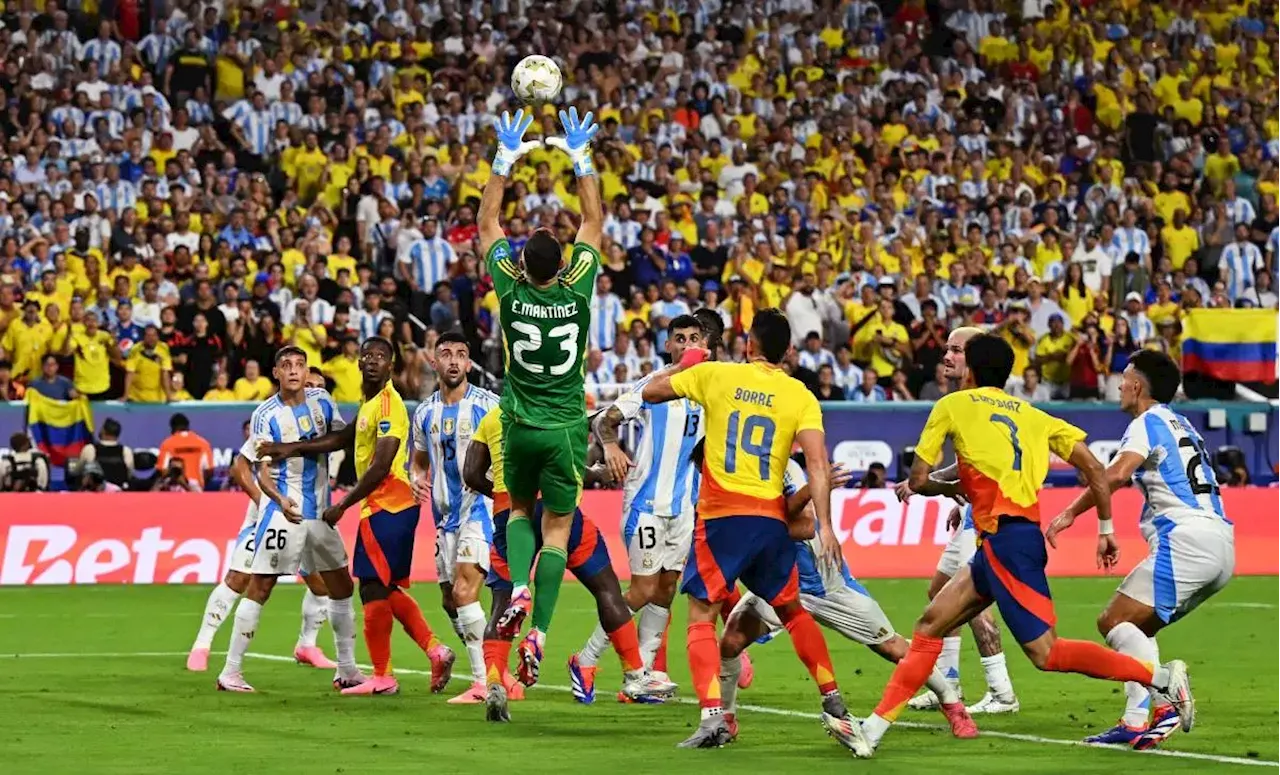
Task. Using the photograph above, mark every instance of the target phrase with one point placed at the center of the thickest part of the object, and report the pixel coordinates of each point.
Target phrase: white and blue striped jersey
(664, 481)
(1240, 260)
(258, 128)
(429, 261)
(607, 314)
(444, 432)
(1176, 477)
(816, 578)
(1240, 210)
(625, 233)
(1131, 240)
(303, 480)
(105, 52)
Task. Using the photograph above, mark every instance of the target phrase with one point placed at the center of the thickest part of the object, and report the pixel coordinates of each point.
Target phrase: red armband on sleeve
(693, 356)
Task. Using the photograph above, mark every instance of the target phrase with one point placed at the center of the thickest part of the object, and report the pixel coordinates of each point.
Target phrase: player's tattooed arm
(617, 462)
(922, 482)
(384, 453)
(475, 469)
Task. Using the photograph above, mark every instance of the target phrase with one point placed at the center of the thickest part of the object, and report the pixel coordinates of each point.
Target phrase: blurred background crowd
(187, 186)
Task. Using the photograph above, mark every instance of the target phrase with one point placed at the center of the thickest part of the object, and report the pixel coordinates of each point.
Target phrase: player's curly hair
(542, 256)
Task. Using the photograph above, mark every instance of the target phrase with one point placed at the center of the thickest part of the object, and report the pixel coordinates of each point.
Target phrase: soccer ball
(536, 79)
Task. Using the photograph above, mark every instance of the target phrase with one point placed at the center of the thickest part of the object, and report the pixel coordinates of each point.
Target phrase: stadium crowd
(187, 186)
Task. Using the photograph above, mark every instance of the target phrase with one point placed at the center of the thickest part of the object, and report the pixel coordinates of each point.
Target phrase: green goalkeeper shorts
(550, 461)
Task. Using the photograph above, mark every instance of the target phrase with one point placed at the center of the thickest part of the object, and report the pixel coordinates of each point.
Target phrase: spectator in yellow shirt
(253, 386)
(221, 390)
(26, 341)
(147, 370)
(178, 387)
(887, 341)
(1164, 307)
(1051, 356)
(311, 337)
(344, 370)
(1180, 240)
(94, 350)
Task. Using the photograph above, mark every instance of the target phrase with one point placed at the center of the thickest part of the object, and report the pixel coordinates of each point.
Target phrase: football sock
(1098, 661)
(704, 665)
(652, 631)
(455, 621)
(497, 655)
(219, 604)
(949, 659)
(1126, 638)
(471, 621)
(406, 611)
(660, 658)
(592, 650)
(873, 728)
(908, 676)
(730, 669)
(378, 623)
(996, 670)
(520, 543)
(315, 612)
(1157, 701)
(246, 625)
(728, 604)
(627, 645)
(811, 647)
(945, 689)
(549, 576)
(343, 620)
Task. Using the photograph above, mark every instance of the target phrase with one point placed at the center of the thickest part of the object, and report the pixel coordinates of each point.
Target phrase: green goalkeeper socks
(550, 575)
(520, 543)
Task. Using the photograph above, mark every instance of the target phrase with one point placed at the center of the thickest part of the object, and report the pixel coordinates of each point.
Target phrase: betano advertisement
(182, 538)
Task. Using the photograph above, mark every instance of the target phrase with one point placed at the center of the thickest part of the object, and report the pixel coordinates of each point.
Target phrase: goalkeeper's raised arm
(511, 146)
(577, 144)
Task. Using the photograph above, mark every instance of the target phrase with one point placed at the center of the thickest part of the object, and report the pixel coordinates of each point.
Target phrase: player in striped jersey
(1191, 540)
(443, 426)
(290, 534)
(834, 598)
(315, 602)
(660, 489)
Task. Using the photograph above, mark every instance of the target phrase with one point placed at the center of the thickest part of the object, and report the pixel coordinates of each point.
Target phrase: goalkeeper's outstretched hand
(511, 142)
(577, 140)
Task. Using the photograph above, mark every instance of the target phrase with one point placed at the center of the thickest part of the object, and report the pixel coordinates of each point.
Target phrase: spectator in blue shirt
(868, 392)
(51, 384)
(235, 233)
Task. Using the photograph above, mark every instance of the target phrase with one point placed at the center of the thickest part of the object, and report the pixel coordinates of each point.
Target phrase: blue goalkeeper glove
(511, 142)
(577, 140)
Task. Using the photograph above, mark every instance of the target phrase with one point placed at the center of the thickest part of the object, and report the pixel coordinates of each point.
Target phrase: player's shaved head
(541, 256)
(989, 359)
(953, 360)
(770, 335)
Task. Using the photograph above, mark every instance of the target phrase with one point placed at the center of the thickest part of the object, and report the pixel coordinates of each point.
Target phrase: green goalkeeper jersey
(544, 338)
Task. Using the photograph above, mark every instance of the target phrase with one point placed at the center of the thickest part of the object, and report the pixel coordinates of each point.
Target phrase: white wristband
(1106, 527)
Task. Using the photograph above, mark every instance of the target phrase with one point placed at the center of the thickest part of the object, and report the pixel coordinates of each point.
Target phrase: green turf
(145, 714)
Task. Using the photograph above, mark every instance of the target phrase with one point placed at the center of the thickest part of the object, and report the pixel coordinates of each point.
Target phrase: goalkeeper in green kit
(545, 312)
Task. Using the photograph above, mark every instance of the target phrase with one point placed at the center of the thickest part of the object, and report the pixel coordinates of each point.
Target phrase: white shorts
(655, 543)
(1186, 566)
(960, 549)
(242, 555)
(467, 544)
(283, 548)
(854, 615)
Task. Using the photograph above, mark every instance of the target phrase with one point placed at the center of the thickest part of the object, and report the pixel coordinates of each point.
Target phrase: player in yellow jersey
(754, 414)
(1002, 451)
(388, 519)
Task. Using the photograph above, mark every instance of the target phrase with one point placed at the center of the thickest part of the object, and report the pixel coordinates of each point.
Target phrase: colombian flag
(60, 429)
(1234, 345)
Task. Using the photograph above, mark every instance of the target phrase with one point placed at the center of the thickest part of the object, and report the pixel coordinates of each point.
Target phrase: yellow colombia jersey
(489, 433)
(1002, 446)
(384, 416)
(754, 412)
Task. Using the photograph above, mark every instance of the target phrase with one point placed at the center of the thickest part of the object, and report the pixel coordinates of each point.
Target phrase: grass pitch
(95, 684)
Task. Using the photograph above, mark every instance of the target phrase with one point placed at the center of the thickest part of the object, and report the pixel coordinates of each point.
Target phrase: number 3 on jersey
(751, 426)
(1007, 421)
(565, 337)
